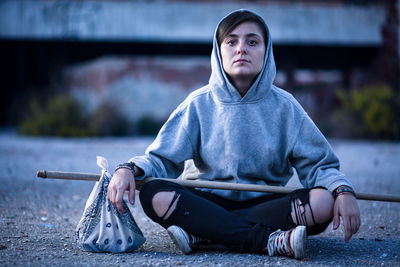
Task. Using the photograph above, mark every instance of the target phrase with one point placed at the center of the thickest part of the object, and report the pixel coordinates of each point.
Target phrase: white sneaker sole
(179, 238)
(298, 241)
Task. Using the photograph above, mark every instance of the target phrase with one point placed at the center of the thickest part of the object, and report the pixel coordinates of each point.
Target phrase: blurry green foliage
(63, 116)
(60, 116)
(369, 112)
(148, 125)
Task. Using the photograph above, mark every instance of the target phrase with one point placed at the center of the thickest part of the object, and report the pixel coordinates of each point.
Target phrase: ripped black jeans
(242, 226)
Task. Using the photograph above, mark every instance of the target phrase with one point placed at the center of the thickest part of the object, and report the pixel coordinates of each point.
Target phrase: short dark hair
(229, 23)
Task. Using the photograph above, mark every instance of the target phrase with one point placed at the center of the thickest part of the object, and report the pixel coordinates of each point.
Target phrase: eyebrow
(247, 35)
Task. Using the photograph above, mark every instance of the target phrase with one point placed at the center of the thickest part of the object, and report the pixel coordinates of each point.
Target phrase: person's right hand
(122, 180)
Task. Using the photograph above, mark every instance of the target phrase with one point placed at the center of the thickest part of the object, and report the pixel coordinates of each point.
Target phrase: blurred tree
(368, 112)
(388, 65)
(61, 116)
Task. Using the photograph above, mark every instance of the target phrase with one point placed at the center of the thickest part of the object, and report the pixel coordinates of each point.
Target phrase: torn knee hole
(302, 213)
(164, 203)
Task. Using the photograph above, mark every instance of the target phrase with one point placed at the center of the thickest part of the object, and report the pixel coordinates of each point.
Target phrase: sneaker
(183, 240)
(291, 243)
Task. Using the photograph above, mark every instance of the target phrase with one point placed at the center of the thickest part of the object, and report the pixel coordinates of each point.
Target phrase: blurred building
(157, 51)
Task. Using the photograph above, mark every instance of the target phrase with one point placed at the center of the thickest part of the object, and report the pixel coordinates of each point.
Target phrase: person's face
(242, 52)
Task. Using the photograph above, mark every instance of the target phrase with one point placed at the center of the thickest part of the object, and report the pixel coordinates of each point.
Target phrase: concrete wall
(137, 85)
(184, 22)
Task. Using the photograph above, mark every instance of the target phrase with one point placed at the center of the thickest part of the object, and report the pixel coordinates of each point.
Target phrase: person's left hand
(346, 207)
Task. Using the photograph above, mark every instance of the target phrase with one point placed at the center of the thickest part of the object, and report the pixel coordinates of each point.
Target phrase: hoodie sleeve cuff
(141, 163)
(339, 181)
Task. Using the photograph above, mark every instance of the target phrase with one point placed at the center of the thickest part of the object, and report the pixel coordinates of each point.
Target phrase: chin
(244, 75)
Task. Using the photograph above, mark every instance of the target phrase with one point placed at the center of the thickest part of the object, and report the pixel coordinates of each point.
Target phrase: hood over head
(224, 90)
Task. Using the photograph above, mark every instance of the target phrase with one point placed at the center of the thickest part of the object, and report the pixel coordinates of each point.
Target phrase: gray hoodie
(255, 139)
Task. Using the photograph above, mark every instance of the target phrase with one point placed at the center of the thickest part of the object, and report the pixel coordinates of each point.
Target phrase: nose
(241, 48)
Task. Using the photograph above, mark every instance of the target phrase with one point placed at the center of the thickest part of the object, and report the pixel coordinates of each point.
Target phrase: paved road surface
(38, 217)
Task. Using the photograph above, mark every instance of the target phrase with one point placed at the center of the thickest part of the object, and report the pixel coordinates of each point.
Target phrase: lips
(241, 60)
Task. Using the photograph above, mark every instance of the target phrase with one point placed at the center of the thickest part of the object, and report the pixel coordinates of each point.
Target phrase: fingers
(346, 207)
(336, 218)
(355, 223)
(347, 228)
(115, 198)
(111, 194)
(358, 223)
(121, 181)
(351, 226)
(119, 201)
(131, 194)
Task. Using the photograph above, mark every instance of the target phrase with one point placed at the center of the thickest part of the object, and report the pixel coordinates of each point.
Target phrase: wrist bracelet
(343, 189)
(129, 165)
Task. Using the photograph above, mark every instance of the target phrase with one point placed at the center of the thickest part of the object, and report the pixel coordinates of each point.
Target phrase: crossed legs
(245, 228)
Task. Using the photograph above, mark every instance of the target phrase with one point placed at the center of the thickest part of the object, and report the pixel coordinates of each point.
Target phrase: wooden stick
(80, 176)
(206, 184)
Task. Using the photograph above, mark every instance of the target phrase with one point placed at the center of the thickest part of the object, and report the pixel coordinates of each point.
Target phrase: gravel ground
(38, 217)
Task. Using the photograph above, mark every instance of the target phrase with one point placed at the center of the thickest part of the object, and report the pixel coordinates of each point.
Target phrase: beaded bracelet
(343, 189)
(129, 165)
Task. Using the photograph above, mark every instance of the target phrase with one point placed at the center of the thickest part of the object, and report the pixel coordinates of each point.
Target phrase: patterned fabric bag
(102, 228)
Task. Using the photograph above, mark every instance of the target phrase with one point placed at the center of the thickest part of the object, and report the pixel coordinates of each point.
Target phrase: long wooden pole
(207, 184)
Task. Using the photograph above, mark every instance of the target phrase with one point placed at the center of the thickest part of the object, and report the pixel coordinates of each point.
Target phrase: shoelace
(192, 240)
(195, 241)
(282, 243)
